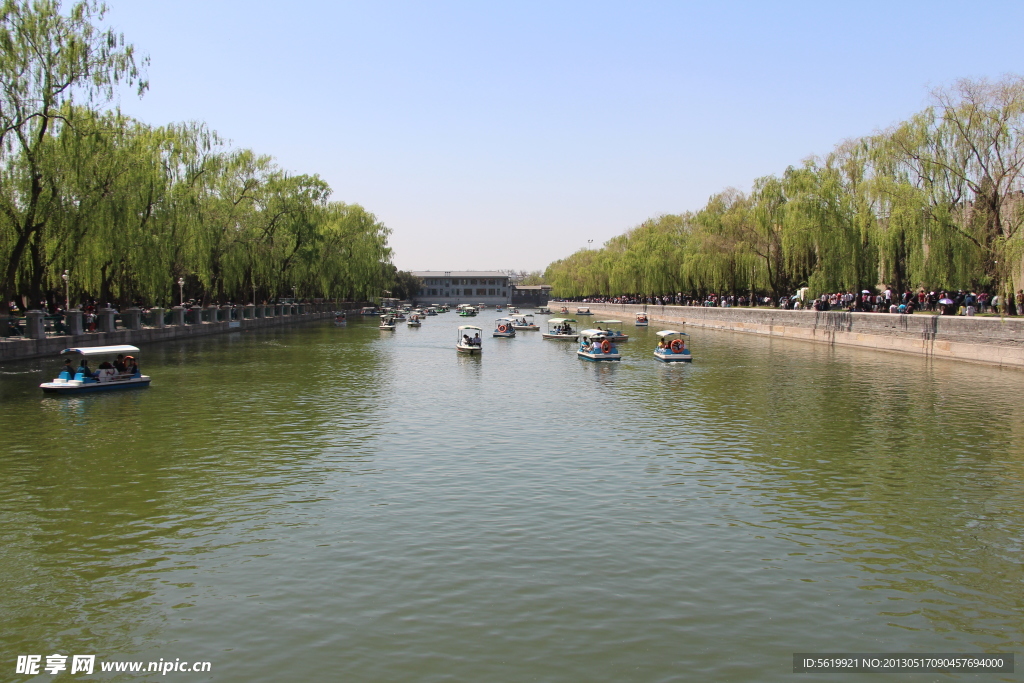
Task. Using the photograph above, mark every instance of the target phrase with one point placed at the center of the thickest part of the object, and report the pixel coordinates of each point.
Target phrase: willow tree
(48, 60)
(965, 155)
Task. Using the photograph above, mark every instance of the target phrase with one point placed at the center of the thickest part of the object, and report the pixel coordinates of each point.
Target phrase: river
(318, 503)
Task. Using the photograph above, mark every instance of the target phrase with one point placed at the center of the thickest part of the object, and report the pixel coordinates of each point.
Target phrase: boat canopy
(593, 333)
(559, 321)
(89, 351)
(608, 322)
(665, 333)
(470, 327)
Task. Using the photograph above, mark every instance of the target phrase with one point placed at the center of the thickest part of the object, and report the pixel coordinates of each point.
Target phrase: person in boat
(131, 367)
(476, 339)
(83, 367)
(119, 364)
(465, 340)
(68, 368)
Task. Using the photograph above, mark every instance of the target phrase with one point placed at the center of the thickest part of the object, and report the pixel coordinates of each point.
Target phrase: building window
(481, 292)
(490, 282)
(490, 292)
(473, 281)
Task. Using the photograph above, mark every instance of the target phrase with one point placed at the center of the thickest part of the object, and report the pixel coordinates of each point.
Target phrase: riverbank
(993, 341)
(51, 345)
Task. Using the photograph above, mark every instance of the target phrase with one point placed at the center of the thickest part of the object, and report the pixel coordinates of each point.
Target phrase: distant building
(463, 287)
(531, 295)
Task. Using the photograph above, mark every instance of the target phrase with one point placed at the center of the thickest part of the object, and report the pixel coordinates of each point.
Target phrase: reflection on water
(291, 503)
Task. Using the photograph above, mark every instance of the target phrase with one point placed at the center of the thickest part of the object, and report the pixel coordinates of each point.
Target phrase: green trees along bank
(127, 208)
(934, 202)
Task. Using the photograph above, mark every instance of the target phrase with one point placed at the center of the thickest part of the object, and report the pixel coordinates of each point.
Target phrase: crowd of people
(881, 300)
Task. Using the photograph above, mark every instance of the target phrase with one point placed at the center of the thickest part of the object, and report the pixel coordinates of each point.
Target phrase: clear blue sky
(494, 135)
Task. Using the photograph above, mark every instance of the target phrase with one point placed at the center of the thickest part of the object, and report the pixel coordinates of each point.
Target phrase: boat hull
(469, 350)
(561, 337)
(92, 387)
(598, 357)
(673, 357)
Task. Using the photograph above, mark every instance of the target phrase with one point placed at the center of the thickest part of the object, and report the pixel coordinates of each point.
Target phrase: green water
(322, 503)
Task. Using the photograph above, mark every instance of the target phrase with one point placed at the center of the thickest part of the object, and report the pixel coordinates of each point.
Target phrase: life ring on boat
(606, 346)
(502, 328)
(677, 346)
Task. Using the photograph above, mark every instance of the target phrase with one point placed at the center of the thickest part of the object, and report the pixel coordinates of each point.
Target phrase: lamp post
(67, 291)
(589, 242)
(181, 291)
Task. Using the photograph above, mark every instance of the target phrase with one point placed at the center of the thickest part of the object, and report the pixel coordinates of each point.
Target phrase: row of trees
(126, 209)
(933, 202)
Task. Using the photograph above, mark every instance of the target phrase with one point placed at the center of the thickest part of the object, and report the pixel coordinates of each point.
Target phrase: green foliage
(937, 202)
(127, 208)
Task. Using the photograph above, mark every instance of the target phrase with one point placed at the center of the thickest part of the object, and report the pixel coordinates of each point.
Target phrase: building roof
(521, 287)
(459, 273)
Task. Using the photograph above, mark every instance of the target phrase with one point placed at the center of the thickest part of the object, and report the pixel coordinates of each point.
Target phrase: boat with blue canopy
(118, 370)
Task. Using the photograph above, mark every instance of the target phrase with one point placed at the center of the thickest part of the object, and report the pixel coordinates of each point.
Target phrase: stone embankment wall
(17, 349)
(996, 341)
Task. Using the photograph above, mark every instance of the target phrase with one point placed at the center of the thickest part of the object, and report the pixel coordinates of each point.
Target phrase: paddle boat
(596, 346)
(467, 311)
(399, 315)
(368, 310)
(340, 319)
(543, 310)
(522, 321)
(469, 340)
(583, 310)
(513, 309)
(431, 311)
(673, 347)
(641, 320)
(414, 320)
(499, 307)
(387, 322)
(561, 328)
(564, 310)
(616, 336)
(503, 327)
(104, 378)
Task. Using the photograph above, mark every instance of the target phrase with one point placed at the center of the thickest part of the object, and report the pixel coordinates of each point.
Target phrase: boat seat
(79, 377)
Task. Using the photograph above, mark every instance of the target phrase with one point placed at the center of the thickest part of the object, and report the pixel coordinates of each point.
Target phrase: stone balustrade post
(250, 312)
(156, 317)
(105, 318)
(227, 313)
(213, 313)
(196, 315)
(73, 321)
(178, 316)
(132, 318)
(35, 327)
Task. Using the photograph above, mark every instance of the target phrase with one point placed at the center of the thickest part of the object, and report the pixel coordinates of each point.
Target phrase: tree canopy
(934, 202)
(127, 208)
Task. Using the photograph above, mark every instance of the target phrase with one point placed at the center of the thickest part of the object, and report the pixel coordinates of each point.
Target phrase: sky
(496, 135)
